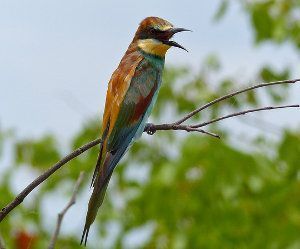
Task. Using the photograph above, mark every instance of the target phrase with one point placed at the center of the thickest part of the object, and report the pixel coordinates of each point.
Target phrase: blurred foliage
(272, 20)
(39, 153)
(187, 190)
(276, 20)
(209, 195)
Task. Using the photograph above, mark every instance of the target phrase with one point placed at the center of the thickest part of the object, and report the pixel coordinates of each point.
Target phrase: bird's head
(154, 34)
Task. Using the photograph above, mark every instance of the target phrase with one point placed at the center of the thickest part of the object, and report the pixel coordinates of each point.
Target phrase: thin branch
(61, 215)
(243, 113)
(151, 129)
(44, 176)
(230, 95)
(20, 197)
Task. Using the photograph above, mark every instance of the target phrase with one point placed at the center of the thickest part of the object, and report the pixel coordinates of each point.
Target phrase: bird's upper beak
(170, 32)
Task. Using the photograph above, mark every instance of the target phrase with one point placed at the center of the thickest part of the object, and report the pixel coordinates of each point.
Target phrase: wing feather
(135, 103)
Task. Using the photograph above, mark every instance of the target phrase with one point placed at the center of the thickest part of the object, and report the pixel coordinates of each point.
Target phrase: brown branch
(150, 129)
(243, 113)
(61, 215)
(20, 197)
(230, 95)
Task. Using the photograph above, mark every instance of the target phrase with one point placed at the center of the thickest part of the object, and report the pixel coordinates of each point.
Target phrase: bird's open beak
(172, 32)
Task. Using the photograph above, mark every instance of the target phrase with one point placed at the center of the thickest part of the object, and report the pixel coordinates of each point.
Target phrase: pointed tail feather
(85, 234)
(95, 203)
(100, 183)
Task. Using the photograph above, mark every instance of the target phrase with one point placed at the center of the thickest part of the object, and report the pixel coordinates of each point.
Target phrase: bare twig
(61, 215)
(243, 113)
(230, 95)
(150, 129)
(20, 197)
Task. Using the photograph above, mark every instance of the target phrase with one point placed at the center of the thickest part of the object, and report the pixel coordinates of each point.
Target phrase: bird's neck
(155, 60)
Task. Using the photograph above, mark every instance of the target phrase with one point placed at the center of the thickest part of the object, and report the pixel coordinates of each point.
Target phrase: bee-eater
(132, 92)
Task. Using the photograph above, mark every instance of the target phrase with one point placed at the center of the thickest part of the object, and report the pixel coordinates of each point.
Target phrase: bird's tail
(101, 177)
(100, 183)
(95, 203)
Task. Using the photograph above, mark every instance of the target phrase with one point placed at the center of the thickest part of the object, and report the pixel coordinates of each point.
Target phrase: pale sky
(56, 57)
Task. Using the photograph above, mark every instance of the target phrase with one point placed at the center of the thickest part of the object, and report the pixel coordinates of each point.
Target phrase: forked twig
(230, 95)
(152, 128)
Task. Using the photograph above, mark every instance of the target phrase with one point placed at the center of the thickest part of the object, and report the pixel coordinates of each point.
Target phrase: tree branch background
(174, 186)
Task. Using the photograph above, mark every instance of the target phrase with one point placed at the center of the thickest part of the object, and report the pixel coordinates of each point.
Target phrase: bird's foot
(150, 129)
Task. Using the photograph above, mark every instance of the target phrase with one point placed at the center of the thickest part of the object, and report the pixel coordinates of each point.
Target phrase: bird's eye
(152, 31)
(155, 31)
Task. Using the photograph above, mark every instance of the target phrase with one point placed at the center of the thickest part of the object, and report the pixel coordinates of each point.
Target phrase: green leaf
(222, 9)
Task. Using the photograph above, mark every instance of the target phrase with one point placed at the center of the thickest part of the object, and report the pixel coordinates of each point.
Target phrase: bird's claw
(150, 129)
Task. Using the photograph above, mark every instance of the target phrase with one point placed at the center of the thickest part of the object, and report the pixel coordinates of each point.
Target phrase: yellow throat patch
(151, 46)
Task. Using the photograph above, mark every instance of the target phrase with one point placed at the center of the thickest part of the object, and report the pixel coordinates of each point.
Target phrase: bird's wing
(136, 101)
(117, 89)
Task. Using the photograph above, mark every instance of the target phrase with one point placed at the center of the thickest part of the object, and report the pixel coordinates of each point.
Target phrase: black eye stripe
(152, 32)
(156, 31)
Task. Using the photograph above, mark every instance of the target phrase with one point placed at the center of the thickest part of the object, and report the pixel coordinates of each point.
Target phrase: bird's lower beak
(171, 32)
(174, 44)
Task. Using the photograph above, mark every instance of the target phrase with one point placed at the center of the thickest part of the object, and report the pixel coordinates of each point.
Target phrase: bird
(131, 94)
